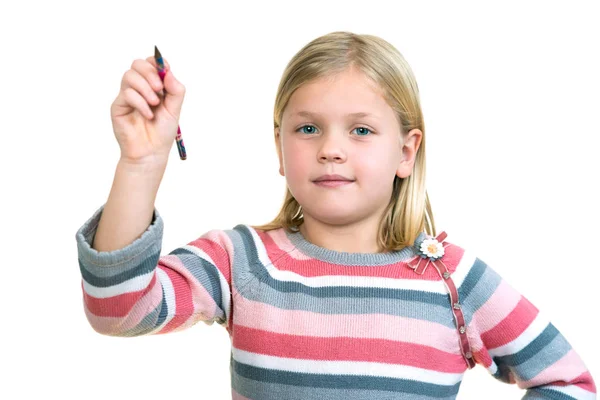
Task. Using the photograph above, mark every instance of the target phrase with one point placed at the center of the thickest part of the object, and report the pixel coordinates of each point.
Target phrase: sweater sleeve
(134, 291)
(517, 344)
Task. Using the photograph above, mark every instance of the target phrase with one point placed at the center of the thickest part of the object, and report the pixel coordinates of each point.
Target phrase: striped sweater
(307, 322)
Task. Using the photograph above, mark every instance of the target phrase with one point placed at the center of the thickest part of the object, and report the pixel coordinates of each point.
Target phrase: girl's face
(320, 135)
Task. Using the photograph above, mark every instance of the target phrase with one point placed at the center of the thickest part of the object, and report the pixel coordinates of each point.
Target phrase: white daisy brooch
(429, 251)
(431, 248)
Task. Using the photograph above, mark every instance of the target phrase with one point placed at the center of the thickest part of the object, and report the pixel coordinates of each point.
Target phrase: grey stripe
(533, 348)
(243, 255)
(164, 310)
(205, 272)
(546, 394)
(549, 347)
(149, 322)
(107, 264)
(256, 284)
(146, 264)
(479, 285)
(267, 384)
(343, 258)
(473, 277)
(105, 269)
(533, 395)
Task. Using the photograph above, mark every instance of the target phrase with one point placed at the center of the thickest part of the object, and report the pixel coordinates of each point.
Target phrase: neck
(357, 237)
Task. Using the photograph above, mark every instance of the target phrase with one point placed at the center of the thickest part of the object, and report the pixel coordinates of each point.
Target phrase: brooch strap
(430, 252)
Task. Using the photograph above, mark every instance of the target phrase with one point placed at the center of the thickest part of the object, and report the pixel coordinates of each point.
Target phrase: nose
(332, 148)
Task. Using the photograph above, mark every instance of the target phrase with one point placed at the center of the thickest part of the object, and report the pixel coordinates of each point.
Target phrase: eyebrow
(356, 114)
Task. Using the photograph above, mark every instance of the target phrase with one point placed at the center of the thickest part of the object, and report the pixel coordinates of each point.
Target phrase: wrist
(150, 164)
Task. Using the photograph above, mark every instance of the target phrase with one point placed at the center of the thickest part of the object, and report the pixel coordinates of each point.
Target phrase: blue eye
(363, 129)
(306, 126)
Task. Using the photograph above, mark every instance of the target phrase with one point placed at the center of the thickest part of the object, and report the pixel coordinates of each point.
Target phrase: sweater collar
(344, 258)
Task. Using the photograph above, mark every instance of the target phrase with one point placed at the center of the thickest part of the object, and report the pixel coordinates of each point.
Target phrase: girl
(349, 293)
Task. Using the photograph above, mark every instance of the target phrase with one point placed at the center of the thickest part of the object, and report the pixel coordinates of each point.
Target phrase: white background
(510, 95)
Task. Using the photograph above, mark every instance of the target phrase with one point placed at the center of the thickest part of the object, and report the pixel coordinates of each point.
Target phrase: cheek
(295, 160)
(376, 168)
(374, 161)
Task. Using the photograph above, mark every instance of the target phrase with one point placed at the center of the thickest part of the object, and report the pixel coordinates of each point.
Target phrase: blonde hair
(409, 210)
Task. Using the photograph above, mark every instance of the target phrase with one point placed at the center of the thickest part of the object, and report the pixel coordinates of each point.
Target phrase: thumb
(175, 92)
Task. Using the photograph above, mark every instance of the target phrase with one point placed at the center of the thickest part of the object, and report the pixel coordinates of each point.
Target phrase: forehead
(348, 94)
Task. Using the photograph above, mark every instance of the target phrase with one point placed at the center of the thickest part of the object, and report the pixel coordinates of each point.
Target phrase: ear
(279, 151)
(412, 141)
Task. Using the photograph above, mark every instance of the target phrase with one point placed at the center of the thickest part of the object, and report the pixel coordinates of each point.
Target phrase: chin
(332, 215)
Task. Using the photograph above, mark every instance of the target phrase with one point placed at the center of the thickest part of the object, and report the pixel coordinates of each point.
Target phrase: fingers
(141, 83)
(175, 92)
(132, 79)
(139, 87)
(147, 71)
(136, 101)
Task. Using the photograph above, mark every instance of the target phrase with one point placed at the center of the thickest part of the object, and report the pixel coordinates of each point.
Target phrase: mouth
(332, 183)
(333, 178)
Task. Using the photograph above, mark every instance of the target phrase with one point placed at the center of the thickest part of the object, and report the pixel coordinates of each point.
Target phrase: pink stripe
(308, 267)
(569, 369)
(236, 396)
(346, 349)
(183, 298)
(482, 356)
(478, 349)
(490, 315)
(280, 240)
(175, 323)
(585, 382)
(117, 325)
(123, 312)
(498, 306)
(116, 306)
(378, 326)
(512, 326)
(217, 245)
(480, 353)
(185, 285)
(277, 245)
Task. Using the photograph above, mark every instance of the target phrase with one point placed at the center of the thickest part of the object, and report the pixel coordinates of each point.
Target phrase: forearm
(129, 209)
(518, 344)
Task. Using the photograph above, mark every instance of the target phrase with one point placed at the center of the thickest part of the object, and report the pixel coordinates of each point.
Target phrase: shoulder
(442, 248)
(239, 235)
(245, 238)
(462, 261)
(468, 270)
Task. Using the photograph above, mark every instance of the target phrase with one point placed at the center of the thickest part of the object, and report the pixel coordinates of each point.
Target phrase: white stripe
(463, 268)
(574, 391)
(225, 292)
(169, 292)
(458, 276)
(261, 250)
(492, 368)
(135, 284)
(357, 281)
(346, 368)
(536, 327)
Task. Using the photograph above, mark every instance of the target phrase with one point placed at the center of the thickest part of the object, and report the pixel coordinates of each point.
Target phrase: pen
(161, 73)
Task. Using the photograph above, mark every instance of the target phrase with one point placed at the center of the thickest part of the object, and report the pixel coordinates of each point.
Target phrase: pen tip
(157, 53)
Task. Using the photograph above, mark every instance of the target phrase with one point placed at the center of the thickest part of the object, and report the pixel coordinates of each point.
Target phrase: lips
(333, 178)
